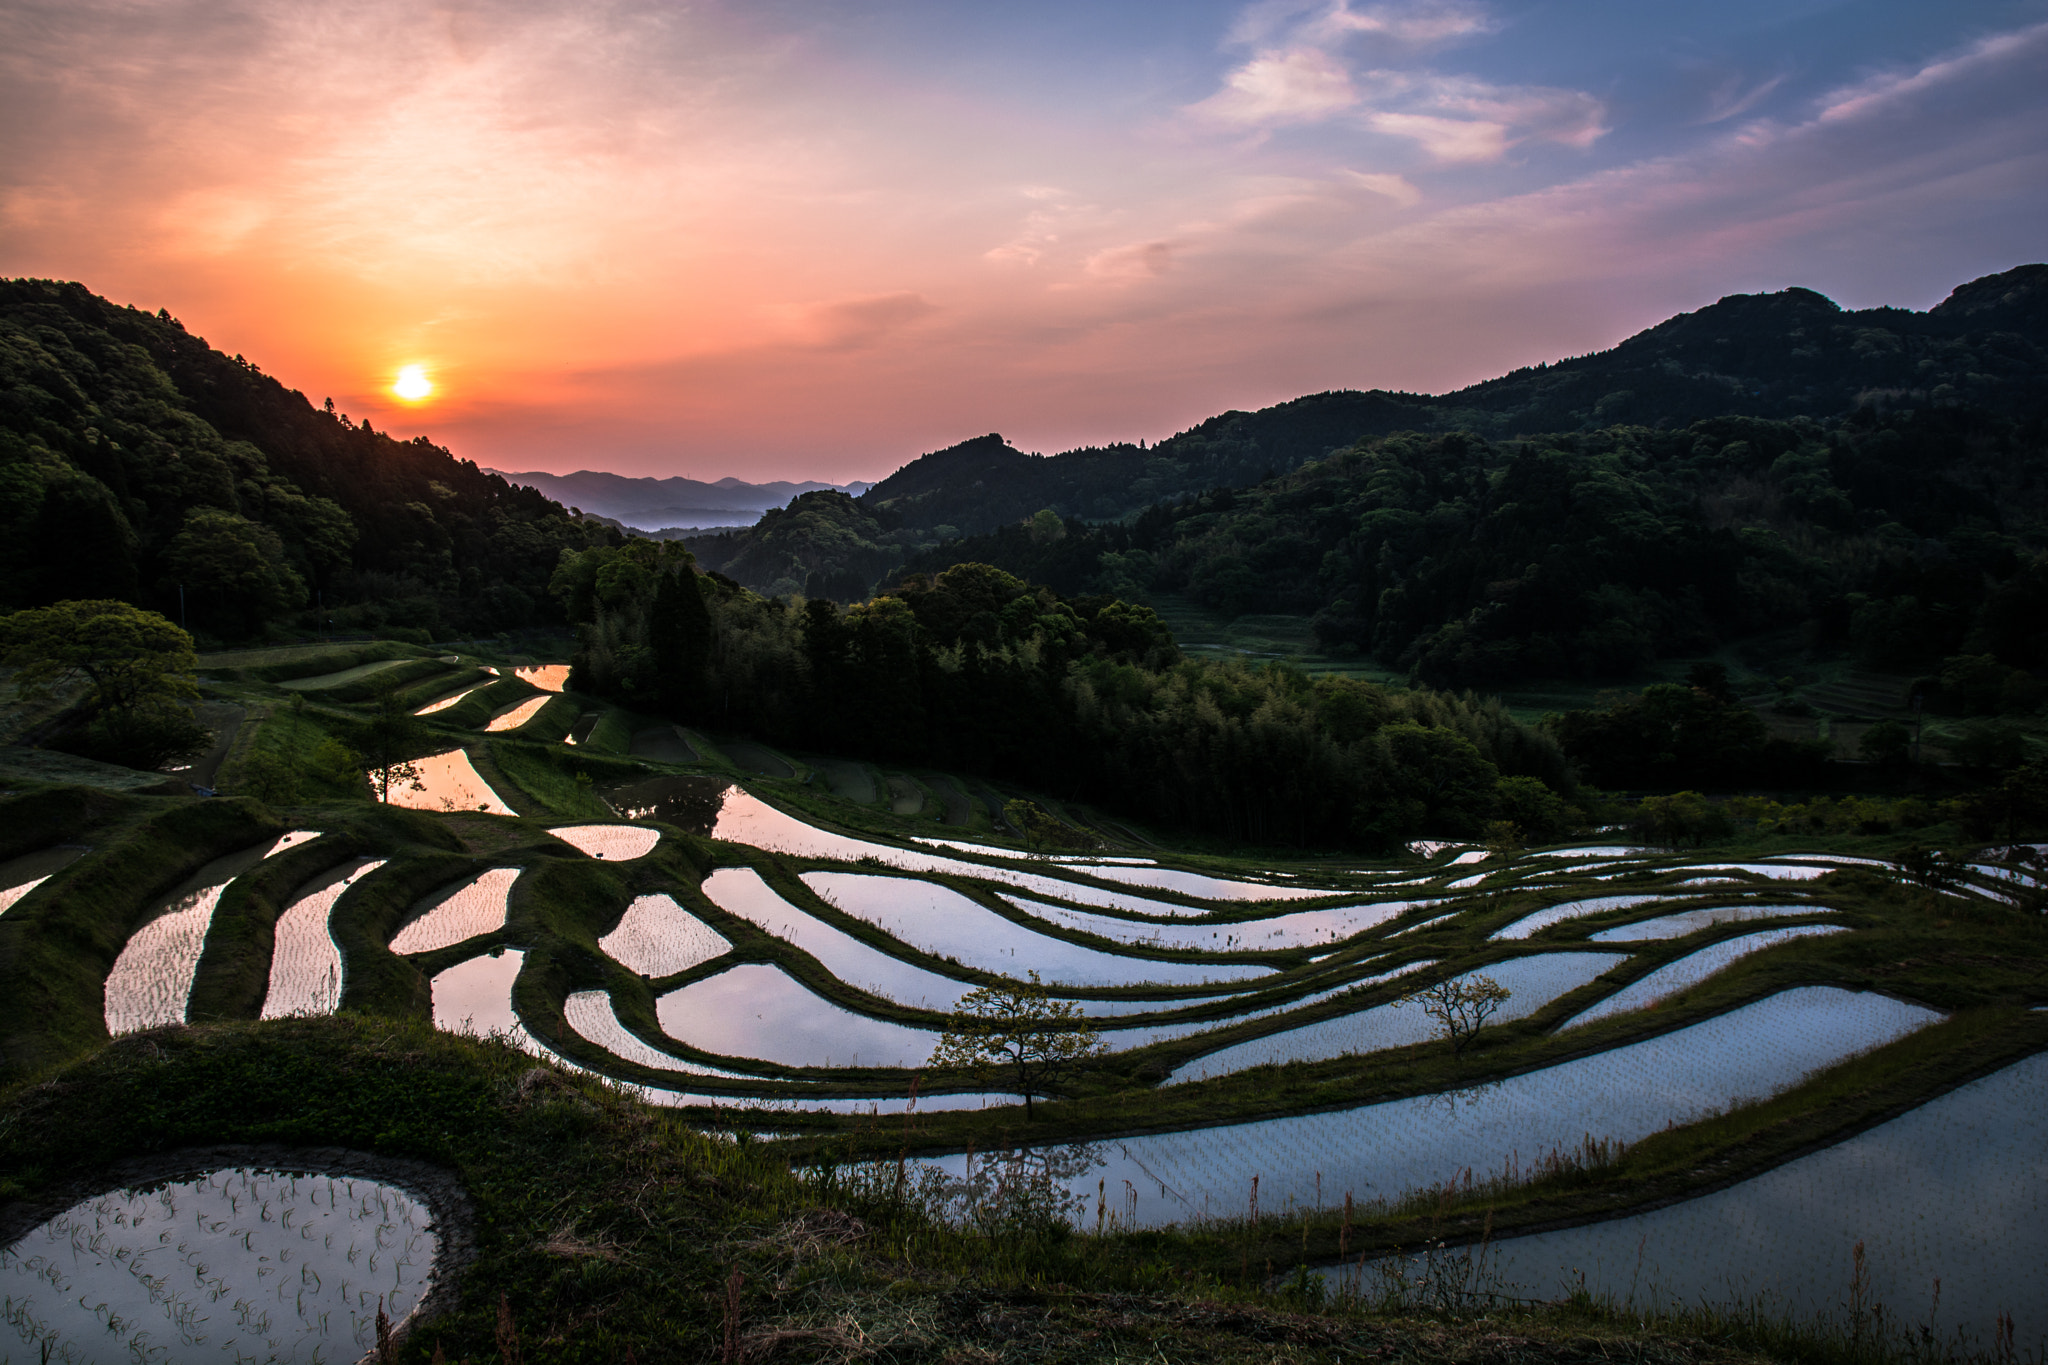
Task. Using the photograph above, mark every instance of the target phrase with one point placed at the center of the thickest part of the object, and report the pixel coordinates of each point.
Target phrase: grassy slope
(604, 1227)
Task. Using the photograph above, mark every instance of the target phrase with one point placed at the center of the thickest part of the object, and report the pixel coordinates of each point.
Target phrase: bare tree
(1019, 1030)
(1461, 1006)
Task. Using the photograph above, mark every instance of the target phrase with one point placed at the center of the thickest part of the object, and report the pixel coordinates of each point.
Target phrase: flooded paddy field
(782, 955)
(232, 1265)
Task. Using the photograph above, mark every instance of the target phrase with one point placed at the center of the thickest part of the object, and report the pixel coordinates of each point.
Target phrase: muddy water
(305, 964)
(151, 981)
(657, 937)
(462, 912)
(233, 1265)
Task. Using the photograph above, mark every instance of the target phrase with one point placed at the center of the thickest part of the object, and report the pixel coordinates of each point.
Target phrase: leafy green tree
(1021, 1032)
(233, 571)
(130, 657)
(139, 673)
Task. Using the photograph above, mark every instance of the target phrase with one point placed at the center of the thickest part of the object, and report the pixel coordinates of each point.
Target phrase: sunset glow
(413, 384)
(812, 240)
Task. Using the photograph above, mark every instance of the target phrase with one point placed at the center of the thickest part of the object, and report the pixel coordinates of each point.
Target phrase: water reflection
(232, 1265)
(547, 677)
(691, 803)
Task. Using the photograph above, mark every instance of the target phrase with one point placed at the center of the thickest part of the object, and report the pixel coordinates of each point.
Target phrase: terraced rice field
(789, 946)
(518, 715)
(1954, 1194)
(151, 980)
(448, 781)
(230, 1265)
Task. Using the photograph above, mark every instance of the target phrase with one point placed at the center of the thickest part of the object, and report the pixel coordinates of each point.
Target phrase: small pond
(234, 1265)
(461, 912)
(305, 964)
(448, 782)
(1693, 968)
(940, 921)
(1533, 982)
(1955, 1191)
(658, 937)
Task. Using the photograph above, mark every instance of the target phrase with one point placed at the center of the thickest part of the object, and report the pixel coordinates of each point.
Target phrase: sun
(413, 384)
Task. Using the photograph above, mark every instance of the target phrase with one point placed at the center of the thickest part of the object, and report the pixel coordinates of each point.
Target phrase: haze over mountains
(648, 504)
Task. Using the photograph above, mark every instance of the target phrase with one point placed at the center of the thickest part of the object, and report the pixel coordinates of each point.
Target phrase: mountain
(137, 462)
(1873, 482)
(1789, 354)
(648, 504)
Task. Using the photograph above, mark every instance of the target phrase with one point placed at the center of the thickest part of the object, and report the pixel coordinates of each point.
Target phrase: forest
(138, 463)
(976, 670)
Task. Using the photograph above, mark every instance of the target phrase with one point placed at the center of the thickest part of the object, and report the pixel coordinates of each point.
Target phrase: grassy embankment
(603, 1227)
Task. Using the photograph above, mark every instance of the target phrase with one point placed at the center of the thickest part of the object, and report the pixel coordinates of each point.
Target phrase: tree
(1017, 1028)
(1461, 1006)
(1887, 744)
(387, 743)
(130, 656)
(138, 667)
(233, 570)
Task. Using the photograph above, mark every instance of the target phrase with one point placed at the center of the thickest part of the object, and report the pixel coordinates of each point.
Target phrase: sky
(811, 239)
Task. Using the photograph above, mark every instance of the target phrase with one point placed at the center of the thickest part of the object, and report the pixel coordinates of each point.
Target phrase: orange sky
(789, 241)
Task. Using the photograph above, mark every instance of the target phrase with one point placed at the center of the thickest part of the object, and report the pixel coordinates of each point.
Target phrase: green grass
(602, 1230)
(551, 776)
(56, 951)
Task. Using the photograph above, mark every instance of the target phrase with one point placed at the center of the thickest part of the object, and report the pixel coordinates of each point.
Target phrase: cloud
(1420, 23)
(1392, 187)
(1295, 85)
(1881, 92)
(850, 324)
(1132, 263)
(1303, 77)
(1730, 99)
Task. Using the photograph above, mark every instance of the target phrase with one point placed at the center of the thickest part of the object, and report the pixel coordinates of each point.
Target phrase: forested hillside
(135, 461)
(1846, 412)
(1904, 538)
(976, 670)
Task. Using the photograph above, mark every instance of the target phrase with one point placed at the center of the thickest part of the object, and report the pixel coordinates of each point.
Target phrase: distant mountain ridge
(1793, 353)
(650, 504)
